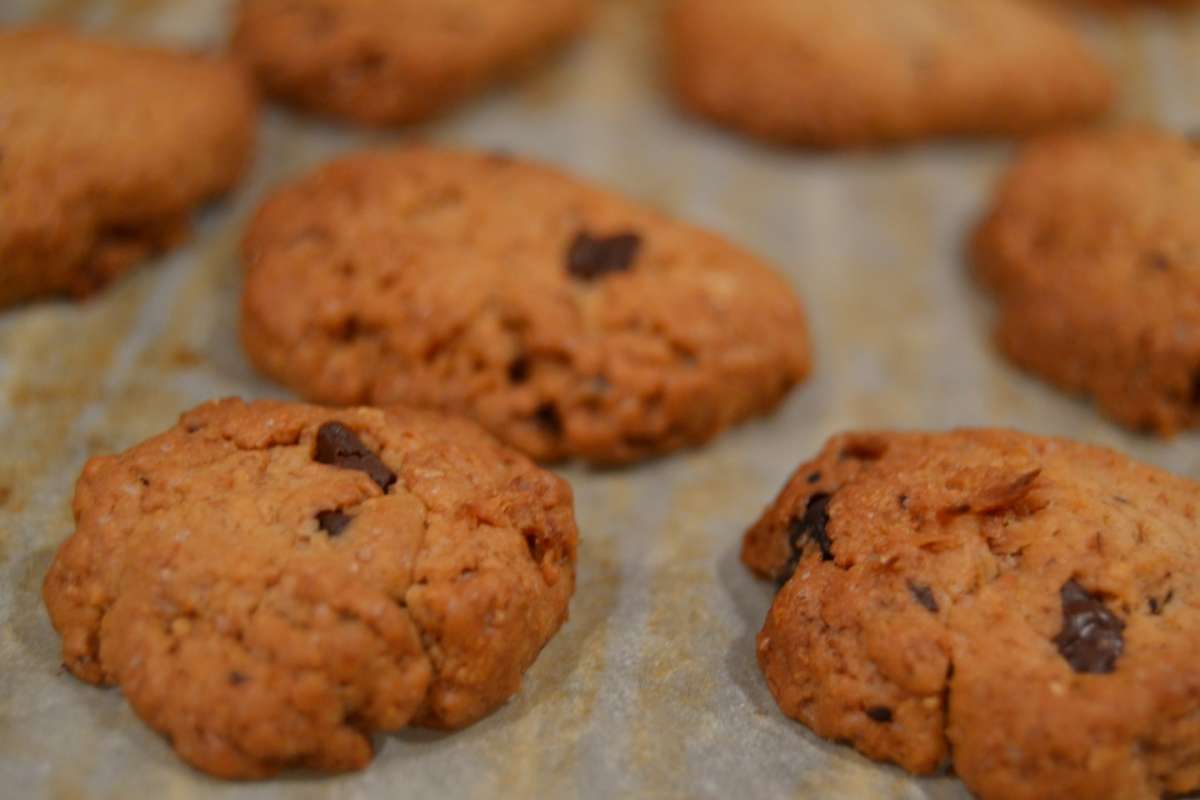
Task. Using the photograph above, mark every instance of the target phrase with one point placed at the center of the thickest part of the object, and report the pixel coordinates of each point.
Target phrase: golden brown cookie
(271, 583)
(567, 320)
(1126, 5)
(859, 72)
(1092, 246)
(105, 150)
(1025, 608)
(386, 63)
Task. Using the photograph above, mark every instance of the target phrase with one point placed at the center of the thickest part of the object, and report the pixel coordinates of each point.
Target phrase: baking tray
(651, 689)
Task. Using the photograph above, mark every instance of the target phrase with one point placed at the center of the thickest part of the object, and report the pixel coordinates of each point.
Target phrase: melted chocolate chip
(1090, 639)
(333, 522)
(923, 595)
(1196, 388)
(811, 526)
(237, 678)
(814, 478)
(591, 257)
(1158, 261)
(338, 446)
(880, 713)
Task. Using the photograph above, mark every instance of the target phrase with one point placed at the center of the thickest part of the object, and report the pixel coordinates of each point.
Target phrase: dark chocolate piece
(811, 526)
(880, 713)
(338, 446)
(923, 595)
(333, 522)
(1091, 638)
(591, 257)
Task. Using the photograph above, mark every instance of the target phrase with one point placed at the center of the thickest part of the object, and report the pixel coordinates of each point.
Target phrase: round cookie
(1025, 608)
(1092, 247)
(105, 150)
(386, 63)
(271, 583)
(861, 72)
(1127, 5)
(567, 320)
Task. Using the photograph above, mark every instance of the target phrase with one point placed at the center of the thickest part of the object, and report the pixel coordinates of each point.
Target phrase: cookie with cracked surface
(1092, 248)
(387, 63)
(1025, 608)
(105, 150)
(866, 72)
(568, 321)
(271, 583)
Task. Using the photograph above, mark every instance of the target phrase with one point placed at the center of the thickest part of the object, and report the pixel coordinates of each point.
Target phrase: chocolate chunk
(1157, 606)
(591, 257)
(923, 595)
(237, 678)
(811, 526)
(880, 713)
(338, 446)
(547, 417)
(1090, 639)
(518, 370)
(814, 478)
(333, 522)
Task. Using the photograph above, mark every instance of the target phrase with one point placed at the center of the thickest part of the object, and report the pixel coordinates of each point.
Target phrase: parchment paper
(651, 690)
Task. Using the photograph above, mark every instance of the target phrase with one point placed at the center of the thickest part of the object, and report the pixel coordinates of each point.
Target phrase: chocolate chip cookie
(1126, 5)
(271, 583)
(1024, 609)
(386, 63)
(860, 72)
(568, 321)
(105, 150)
(1092, 247)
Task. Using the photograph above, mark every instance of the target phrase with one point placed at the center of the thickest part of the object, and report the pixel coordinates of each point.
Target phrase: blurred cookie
(1109, 5)
(860, 72)
(565, 319)
(1092, 246)
(270, 583)
(385, 63)
(1026, 609)
(105, 150)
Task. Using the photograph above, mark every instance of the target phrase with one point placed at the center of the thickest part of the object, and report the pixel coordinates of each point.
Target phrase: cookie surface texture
(866, 72)
(387, 62)
(105, 150)
(1092, 247)
(269, 584)
(568, 321)
(1024, 609)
